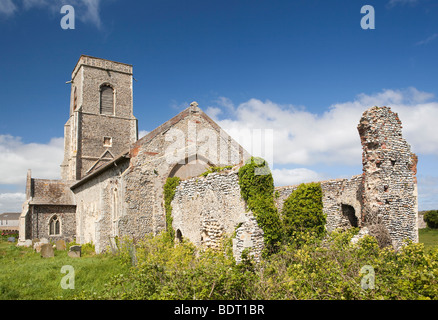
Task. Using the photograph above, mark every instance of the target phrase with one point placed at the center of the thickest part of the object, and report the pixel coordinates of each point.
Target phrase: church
(112, 182)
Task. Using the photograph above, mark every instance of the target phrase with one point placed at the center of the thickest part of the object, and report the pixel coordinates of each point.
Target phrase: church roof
(51, 192)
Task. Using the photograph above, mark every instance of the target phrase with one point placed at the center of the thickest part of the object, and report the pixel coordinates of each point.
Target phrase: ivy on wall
(302, 212)
(257, 189)
(169, 194)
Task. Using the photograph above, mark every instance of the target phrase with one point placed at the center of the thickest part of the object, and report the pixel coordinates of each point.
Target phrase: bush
(302, 212)
(431, 219)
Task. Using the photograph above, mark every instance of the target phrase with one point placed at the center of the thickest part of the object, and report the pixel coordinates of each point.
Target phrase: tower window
(54, 226)
(106, 100)
(75, 99)
(107, 141)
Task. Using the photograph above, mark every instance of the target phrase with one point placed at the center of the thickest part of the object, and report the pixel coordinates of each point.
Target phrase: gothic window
(54, 226)
(106, 100)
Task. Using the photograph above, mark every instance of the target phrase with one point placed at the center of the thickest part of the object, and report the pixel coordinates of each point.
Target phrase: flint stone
(47, 251)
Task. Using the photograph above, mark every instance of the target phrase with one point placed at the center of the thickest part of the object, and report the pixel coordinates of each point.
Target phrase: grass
(429, 237)
(25, 275)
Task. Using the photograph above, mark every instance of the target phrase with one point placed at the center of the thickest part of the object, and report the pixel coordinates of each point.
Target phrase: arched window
(106, 99)
(54, 226)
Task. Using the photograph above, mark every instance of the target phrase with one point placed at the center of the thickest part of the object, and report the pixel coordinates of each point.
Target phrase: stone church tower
(101, 123)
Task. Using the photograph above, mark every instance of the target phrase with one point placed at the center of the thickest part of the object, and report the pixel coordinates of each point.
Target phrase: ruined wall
(170, 149)
(340, 196)
(389, 168)
(206, 209)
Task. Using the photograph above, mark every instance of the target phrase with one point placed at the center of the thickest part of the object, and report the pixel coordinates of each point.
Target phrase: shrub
(431, 219)
(302, 212)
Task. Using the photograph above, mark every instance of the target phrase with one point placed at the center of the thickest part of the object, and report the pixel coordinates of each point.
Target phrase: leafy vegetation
(215, 169)
(317, 268)
(431, 219)
(302, 212)
(169, 193)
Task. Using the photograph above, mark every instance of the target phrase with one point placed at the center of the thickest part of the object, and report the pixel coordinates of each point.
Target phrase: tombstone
(11, 239)
(60, 245)
(44, 240)
(47, 251)
(75, 252)
(37, 246)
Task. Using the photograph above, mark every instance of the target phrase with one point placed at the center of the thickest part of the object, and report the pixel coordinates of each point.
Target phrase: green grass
(24, 274)
(429, 237)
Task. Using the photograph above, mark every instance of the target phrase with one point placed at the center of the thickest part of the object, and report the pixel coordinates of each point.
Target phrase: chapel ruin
(112, 182)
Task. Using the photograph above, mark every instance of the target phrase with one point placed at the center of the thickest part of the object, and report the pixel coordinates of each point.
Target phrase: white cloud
(11, 202)
(393, 3)
(142, 133)
(305, 138)
(17, 157)
(7, 7)
(288, 177)
(427, 40)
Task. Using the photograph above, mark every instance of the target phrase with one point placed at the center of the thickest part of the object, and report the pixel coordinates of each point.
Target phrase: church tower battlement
(101, 124)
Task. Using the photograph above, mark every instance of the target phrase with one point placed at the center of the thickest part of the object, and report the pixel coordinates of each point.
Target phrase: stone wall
(40, 218)
(389, 168)
(341, 201)
(207, 209)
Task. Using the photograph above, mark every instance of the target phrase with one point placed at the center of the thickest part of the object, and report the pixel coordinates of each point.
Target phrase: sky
(304, 69)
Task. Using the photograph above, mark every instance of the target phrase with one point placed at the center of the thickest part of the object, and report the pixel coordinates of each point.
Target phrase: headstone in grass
(47, 251)
(37, 246)
(60, 245)
(75, 252)
(11, 239)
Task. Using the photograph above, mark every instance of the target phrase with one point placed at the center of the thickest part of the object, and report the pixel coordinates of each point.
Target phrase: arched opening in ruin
(179, 236)
(349, 212)
(191, 167)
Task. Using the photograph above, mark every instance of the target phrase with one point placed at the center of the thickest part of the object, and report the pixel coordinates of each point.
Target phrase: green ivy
(302, 212)
(169, 193)
(215, 169)
(257, 189)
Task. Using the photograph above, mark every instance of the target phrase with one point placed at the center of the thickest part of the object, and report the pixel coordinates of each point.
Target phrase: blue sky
(304, 68)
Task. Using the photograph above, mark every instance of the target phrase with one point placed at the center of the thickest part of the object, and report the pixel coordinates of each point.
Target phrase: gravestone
(60, 245)
(75, 252)
(37, 246)
(47, 251)
(11, 239)
(35, 241)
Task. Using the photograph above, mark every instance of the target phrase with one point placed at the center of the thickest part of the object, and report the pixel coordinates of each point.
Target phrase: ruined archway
(190, 167)
(349, 212)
